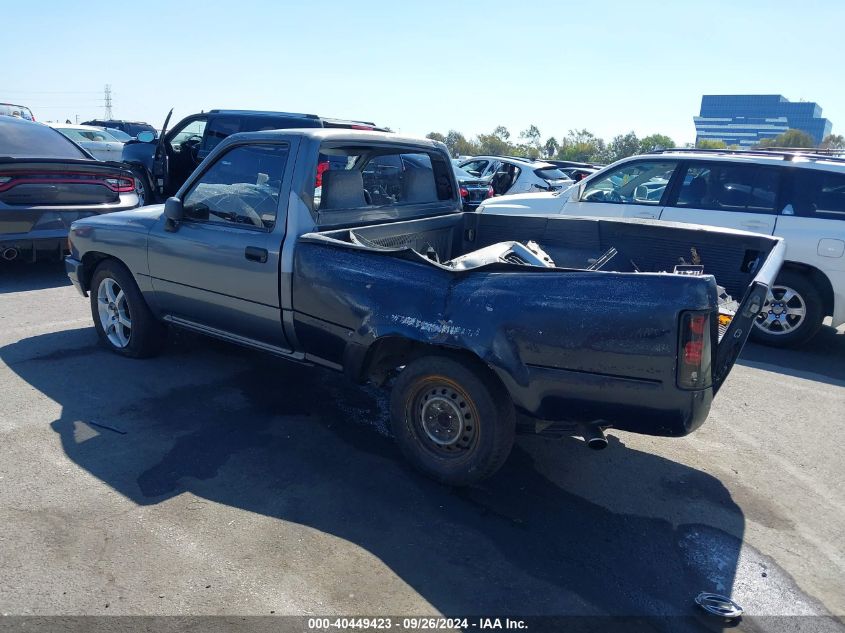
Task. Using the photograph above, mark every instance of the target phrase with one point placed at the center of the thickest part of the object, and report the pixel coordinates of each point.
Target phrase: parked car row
(797, 196)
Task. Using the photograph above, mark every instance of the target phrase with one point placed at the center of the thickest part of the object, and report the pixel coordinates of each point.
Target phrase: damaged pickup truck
(350, 250)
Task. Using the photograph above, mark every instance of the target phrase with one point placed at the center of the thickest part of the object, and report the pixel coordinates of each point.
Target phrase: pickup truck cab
(162, 164)
(481, 325)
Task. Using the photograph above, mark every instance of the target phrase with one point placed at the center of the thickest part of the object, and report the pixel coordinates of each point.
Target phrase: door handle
(755, 224)
(255, 254)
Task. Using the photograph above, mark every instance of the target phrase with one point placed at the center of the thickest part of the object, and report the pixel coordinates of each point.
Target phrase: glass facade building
(745, 120)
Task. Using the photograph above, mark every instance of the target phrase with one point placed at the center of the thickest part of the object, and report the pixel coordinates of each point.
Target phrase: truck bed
(566, 341)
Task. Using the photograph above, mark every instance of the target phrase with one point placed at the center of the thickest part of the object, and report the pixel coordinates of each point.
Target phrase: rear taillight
(464, 192)
(694, 351)
(321, 167)
(490, 191)
(121, 184)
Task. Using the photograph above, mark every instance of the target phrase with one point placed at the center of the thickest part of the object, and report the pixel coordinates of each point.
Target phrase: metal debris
(716, 604)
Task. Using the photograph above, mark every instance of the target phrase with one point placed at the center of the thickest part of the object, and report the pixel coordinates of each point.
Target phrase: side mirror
(146, 136)
(173, 213)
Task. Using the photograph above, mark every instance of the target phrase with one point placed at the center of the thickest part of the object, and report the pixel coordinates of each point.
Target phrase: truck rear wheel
(792, 313)
(451, 420)
(121, 316)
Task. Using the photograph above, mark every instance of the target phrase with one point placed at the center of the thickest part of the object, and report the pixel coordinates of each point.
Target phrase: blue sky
(608, 66)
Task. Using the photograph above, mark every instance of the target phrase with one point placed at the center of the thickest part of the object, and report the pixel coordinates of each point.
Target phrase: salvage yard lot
(215, 480)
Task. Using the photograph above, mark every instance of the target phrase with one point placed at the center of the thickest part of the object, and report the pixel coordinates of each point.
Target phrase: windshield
(119, 135)
(20, 139)
(460, 174)
(82, 134)
(551, 173)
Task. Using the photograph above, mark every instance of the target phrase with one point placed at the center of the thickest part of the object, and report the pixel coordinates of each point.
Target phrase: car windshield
(119, 135)
(87, 134)
(464, 175)
(551, 173)
(32, 140)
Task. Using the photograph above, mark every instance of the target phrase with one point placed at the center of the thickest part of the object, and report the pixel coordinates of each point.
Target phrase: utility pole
(107, 104)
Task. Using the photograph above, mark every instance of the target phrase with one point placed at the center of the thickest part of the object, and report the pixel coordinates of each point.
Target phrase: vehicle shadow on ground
(821, 359)
(559, 530)
(21, 276)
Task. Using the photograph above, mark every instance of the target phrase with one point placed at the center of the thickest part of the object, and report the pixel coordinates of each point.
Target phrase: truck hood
(141, 219)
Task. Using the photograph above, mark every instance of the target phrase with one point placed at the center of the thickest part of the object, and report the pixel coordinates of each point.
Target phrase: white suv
(800, 197)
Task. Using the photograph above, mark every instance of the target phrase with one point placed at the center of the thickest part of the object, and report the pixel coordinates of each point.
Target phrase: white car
(509, 175)
(800, 197)
(97, 141)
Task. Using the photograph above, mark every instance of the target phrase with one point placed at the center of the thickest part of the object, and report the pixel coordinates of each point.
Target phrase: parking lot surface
(214, 480)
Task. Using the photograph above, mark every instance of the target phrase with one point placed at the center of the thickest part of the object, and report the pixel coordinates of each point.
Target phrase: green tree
(436, 136)
(495, 143)
(833, 141)
(790, 138)
(551, 147)
(707, 143)
(655, 141)
(582, 146)
(622, 146)
(532, 146)
(458, 145)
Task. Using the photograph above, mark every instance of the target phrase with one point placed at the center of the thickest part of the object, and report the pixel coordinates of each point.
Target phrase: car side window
(729, 187)
(641, 182)
(818, 194)
(218, 129)
(242, 187)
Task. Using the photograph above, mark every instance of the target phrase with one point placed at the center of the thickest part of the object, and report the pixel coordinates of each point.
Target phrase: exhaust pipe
(10, 253)
(594, 437)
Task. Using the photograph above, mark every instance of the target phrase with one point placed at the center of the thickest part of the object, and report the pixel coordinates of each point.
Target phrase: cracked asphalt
(214, 480)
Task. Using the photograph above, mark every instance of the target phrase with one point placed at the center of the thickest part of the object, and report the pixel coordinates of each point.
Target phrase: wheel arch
(819, 280)
(389, 352)
(90, 261)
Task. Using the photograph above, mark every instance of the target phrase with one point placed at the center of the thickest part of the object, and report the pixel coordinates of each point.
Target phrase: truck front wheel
(122, 318)
(451, 419)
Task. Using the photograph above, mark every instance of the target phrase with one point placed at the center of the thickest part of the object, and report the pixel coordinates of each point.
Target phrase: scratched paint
(440, 327)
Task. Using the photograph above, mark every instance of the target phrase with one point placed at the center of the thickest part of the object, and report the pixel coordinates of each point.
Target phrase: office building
(745, 120)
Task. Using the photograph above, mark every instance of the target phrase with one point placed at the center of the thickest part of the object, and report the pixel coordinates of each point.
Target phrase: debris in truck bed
(529, 254)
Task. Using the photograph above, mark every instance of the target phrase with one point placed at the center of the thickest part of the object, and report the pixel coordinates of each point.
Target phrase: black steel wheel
(451, 420)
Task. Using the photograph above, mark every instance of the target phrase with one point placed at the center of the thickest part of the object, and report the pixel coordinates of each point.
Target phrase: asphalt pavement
(215, 480)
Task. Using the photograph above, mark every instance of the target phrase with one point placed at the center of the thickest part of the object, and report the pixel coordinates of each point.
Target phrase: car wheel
(142, 188)
(121, 316)
(451, 420)
(791, 314)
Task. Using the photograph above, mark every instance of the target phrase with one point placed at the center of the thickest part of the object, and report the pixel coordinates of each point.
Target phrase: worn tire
(146, 334)
(451, 419)
(810, 296)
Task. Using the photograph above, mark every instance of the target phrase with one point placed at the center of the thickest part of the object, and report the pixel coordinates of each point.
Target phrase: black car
(132, 128)
(161, 166)
(46, 182)
(474, 190)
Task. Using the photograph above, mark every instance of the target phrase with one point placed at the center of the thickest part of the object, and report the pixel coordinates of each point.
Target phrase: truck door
(730, 194)
(220, 268)
(635, 189)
